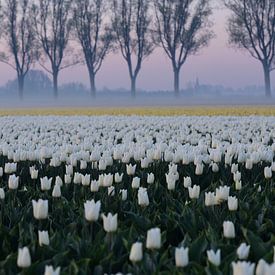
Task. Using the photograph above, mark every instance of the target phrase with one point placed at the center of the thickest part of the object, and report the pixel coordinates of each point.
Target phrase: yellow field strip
(153, 111)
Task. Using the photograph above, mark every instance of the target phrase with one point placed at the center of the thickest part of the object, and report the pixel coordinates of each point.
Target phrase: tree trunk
(55, 83)
(92, 83)
(176, 81)
(267, 81)
(20, 79)
(133, 86)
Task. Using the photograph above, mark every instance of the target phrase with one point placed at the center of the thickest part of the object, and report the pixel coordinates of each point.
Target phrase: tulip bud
(56, 191)
(150, 178)
(181, 257)
(13, 182)
(92, 209)
(232, 203)
(238, 185)
(43, 238)
(228, 230)
(268, 173)
(243, 251)
(123, 194)
(24, 257)
(110, 222)
(136, 183)
(40, 209)
(2, 194)
(143, 199)
(153, 240)
(67, 179)
(94, 186)
(243, 268)
(136, 252)
(49, 270)
(214, 258)
(187, 182)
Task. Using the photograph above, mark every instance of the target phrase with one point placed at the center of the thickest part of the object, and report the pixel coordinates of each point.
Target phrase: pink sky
(218, 64)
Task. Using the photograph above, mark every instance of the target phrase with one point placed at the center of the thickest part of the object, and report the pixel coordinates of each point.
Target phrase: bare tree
(53, 26)
(132, 27)
(182, 29)
(94, 34)
(19, 36)
(252, 27)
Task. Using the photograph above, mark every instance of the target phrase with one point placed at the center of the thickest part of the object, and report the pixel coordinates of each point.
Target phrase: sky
(218, 64)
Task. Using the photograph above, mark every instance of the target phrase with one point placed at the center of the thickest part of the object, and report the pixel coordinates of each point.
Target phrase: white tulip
(1, 172)
(91, 210)
(267, 172)
(238, 185)
(150, 178)
(43, 238)
(24, 257)
(34, 174)
(131, 169)
(228, 229)
(187, 182)
(2, 194)
(153, 240)
(67, 179)
(13, 182)
(49, 270)
(263, 268)
(199, 169)
(46, 183)
(56, 191)
(237, 176)
(58, 181)
(171, 181)
(94, 186)
(243, 251)
(194, 192)
(214, 258)
(243, 268)
(118, 177)
(136, 183)
(143, 199)
(232, 203)
(123, 194)
(136, 252)
(111, 191)
(83, 165)
(110, 222)
(40, 209)
(222, 193)
(234, 168)
(182, 257)
(210, 199)
(108, 180)
(85, 180)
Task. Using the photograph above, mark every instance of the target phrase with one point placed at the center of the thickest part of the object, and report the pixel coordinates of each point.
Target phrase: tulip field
(137, 195)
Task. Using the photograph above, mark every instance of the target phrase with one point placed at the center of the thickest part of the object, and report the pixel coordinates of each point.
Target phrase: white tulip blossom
(43, 238)
(214, 257)
(136, 253)
(49, 270)
(40, 209)
(24, 257)
(110, 222)
(91, 210)
(153, 240)
(243, 268)
(182, 256)
(232, 203)
(243, 251)
(143, 199)
(228, 229)
(13, 182)
(194, 192)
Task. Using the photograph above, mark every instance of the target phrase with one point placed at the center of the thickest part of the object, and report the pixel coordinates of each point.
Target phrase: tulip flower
(83, 165)
(232, 203)
(199, 169)
(194, 192)
(85, 180)
(210, 199)
(268, 172)
(238, 185)
(214, 258)
(58, 181)
(171, 181)
(49, 270)
(118, 177)
(222, 193)
(13, 182)
(2, 194)
(110, 222)
(136, 252)
(187, 182)
(40, 209)
(111, 191)
(46, 183)
(263, 268)
(143, 199)
(243, 251)
(94, 186)
(131, 169)
(153, 240)
(150, 178)
(43, 238)
(108, 180)
(1, 172)
(67, 179)
(34, 174)
(24, 257)
(123, 194)
(243, 268)
(228, 230)
(56, 191)
(182, 257)
(136, 183)
(92, 209)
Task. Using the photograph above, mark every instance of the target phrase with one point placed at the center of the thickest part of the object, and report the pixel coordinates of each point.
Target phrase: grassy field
(149, 111)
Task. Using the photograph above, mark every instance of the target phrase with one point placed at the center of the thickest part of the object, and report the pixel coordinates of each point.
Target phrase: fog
(124, 99)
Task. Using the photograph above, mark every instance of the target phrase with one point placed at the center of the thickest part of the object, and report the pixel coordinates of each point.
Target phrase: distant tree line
(46, 32)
